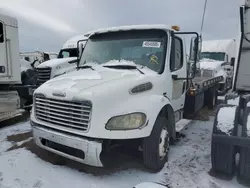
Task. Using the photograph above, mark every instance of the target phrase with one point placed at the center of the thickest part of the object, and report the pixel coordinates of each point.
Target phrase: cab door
(3, 51)
(178, 69)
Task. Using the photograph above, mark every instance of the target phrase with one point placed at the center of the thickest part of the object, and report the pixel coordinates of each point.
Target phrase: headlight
(126, 122)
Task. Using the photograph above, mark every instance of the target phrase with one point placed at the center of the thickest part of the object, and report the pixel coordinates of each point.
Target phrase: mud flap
(223, 154)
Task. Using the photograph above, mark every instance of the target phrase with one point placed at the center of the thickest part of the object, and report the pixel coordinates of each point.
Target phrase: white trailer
(231, 136)
(217, 58)
(9, 67)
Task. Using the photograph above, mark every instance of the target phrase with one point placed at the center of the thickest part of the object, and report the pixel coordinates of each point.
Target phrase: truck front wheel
(156, 146)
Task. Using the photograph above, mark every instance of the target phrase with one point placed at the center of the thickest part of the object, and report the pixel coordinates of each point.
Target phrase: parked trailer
(231, 136)
(131, 86)
(9, 67)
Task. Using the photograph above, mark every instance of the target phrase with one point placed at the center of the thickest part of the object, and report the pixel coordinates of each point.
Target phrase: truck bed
(204, 83)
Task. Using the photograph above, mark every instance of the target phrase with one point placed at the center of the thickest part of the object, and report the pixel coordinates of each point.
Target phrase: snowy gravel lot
(22, 164)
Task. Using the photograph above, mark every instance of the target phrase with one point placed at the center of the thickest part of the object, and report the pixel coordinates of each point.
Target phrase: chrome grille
(75, 115)
(207, 73)
(43, 75)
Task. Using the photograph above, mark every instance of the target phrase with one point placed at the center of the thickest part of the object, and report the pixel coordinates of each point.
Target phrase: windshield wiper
(124, 67)
(85, 67)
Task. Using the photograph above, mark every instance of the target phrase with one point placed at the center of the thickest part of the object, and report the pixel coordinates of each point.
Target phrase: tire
(223, 154)
(223, 90)
(156, 146)
(212, 99)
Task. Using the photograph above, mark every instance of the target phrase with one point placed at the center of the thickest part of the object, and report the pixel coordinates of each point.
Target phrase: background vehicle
(132, 85)
(37, 57)
(231, 136)
(9, 67)
(65, 62)
(216, 58)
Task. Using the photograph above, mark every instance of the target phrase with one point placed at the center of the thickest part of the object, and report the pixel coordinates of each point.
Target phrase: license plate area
(62, 148)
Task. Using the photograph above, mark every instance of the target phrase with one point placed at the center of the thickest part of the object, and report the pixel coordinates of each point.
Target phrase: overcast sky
(46, 24)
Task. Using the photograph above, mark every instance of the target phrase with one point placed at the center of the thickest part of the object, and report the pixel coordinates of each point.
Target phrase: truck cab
(62, 64)
(216, 58)
(131, 85)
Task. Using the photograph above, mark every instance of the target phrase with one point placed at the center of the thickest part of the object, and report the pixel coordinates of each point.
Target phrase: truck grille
(43, 75)
(75, 115)
(207, 73)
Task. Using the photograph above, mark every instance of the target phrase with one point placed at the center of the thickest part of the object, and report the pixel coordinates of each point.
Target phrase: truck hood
(210, 64)
(98, 80)
(56, 62)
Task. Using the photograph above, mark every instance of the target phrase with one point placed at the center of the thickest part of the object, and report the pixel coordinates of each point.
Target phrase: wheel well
(168, 113)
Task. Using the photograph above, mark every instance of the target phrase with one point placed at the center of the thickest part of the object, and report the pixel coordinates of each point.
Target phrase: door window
(1, 33)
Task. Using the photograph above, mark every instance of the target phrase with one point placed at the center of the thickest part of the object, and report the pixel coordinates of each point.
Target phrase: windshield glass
(71, 52)
(219, 56)
(144, 47)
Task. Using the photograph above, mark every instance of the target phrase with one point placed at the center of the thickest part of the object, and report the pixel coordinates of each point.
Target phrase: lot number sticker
(151, 44)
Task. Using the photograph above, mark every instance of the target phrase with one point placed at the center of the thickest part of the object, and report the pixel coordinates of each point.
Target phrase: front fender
(150, 105)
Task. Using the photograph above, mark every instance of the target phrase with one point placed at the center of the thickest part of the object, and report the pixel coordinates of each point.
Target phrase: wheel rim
(163, 143)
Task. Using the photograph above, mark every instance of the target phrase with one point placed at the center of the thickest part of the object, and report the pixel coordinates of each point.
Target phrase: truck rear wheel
(156, 146)
(223, 154)
(211, 99)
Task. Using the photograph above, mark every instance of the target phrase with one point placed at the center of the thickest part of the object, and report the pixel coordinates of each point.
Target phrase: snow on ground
(188, 166)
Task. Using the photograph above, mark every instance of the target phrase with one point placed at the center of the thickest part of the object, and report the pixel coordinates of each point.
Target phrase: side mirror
(194, 47)
(232, 61)
(80, 50)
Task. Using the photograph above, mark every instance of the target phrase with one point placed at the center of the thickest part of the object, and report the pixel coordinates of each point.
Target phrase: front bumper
(59, 143)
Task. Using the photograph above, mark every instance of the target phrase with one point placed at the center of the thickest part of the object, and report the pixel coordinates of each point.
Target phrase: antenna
(202, 23)
(203, 17)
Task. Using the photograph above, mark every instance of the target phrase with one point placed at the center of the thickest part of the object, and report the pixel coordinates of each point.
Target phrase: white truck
(231, 131)
(131, 86)
(65, 62)
(37, 57)
(9, 67)
(217, 58)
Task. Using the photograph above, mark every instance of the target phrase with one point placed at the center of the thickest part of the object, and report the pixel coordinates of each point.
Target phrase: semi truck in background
(231, 136)
(65, 61)
(37, 57)
(9, 67)
(217, 58)
(131, 86)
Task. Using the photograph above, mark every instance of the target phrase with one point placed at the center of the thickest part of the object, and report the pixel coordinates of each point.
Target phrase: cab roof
(8, 20)
(130, 27)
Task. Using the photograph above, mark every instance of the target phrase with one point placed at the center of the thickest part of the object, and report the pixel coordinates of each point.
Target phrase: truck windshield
(70, 52)
(219, 56)
(139, 47)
